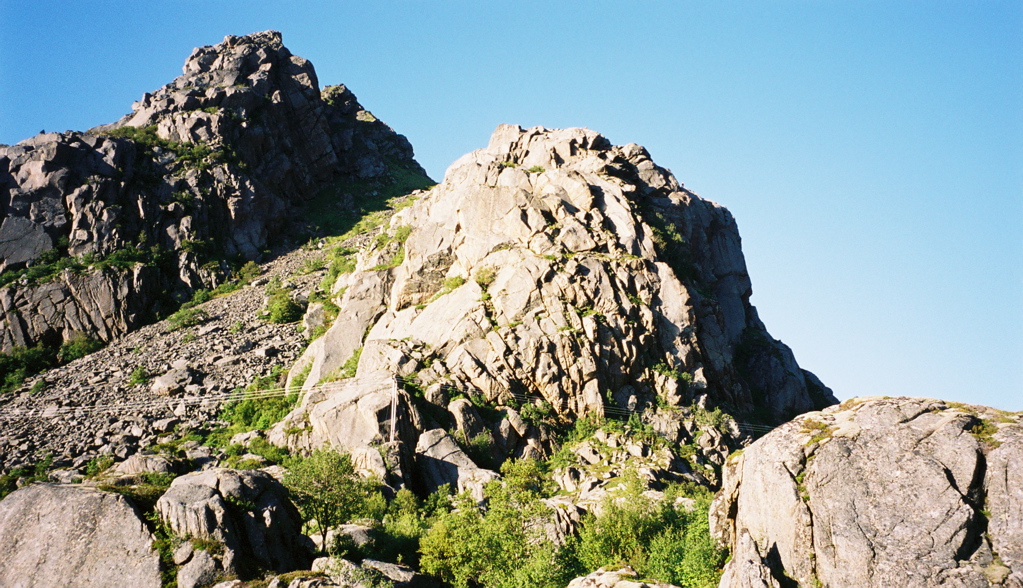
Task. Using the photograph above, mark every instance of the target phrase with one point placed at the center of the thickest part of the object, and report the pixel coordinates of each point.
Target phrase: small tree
(325, 487)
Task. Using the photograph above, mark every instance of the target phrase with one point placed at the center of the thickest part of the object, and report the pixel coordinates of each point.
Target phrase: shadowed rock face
(73, 536)
(247, 511)
(213, 169)
(878, 492)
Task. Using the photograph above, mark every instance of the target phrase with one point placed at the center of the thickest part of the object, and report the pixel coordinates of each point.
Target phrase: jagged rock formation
(878, 492)
(98, 226)
(553, 267)
(248, 512)
(73, 536)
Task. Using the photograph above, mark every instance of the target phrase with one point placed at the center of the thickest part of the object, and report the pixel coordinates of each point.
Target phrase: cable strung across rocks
(241, 395)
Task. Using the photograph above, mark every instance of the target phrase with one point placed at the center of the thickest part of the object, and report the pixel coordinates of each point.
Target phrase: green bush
(503, 546)
(78, 346)
(659, 539)
(325, 487)
(250, 414)
(485, 277)
(36, 473)
(22, 362)
(138, 376)
(280, 308)
(186, 317)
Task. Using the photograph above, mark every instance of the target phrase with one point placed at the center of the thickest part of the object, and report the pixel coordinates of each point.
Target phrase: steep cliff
(106, 230)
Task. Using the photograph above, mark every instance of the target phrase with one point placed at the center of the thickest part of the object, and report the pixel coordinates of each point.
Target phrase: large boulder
(877, 492)
(623, 578)
(74, 536)
(248, 511)
(441, 461)
(349, 415)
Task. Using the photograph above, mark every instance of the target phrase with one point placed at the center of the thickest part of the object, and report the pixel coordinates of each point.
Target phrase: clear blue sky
(872, 152)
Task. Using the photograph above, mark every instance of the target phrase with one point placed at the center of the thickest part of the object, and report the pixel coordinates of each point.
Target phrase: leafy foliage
(250, 414)
(78, 346)
(21, 362)
(325, 487)
(36, 473)
(501, 546)
(186, 317)
(664, 539)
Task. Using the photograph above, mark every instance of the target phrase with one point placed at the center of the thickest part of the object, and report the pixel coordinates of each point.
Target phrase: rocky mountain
(536, 373)
(556, 271)
(106, 230)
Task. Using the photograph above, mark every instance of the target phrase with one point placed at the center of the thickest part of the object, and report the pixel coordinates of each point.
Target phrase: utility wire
(241, 395)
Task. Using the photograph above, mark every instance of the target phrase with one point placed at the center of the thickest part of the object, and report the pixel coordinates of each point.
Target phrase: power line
(242, 395)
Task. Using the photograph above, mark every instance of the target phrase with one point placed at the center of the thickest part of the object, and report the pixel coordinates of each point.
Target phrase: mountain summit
(107, 230)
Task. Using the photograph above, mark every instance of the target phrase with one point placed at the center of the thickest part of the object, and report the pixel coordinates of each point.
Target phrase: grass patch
(373, 197)
(185, 318)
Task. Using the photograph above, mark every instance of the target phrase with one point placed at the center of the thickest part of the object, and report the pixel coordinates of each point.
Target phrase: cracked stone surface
(877, 492)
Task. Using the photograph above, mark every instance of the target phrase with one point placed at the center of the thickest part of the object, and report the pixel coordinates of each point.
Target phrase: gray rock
(173, 382)
(442, 461)
(73, 536)
(467, 419)
(139, 463)
(881, 492)
(246, 510)
(104, 193)
(623, 578)
(578, 300)
(183, 553)
(200, 571)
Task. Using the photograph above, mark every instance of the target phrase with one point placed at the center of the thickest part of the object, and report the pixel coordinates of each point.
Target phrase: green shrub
(536, 169)
(325, 487)
(78, 346)
(313, 264)
(186, 317)
(249, 272)
(138, 376)
(659, 539)
(22, 362)
(281, 309)
(485, 277)
(249, 414)
(503, 546)
(37, 473)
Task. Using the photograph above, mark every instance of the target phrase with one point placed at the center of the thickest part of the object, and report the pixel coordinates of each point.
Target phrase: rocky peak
(551, 271)
(212, 167)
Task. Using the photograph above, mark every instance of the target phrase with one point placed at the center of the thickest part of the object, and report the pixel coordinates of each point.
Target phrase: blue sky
(872, 152)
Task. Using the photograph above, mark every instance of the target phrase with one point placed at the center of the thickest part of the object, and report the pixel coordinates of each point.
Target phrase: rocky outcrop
(623, 578)
(441, 461)
(73, 536)
(877, 492)
(557, 272)
(245, 510)
(103, 231)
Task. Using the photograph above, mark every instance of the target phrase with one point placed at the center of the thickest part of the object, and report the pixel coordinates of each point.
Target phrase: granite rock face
(248, 511)
(104, 230)
(73, 536)
(555, 269)
(877, 492)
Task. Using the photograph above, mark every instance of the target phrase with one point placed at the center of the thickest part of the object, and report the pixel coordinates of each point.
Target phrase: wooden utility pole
(394, 406)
